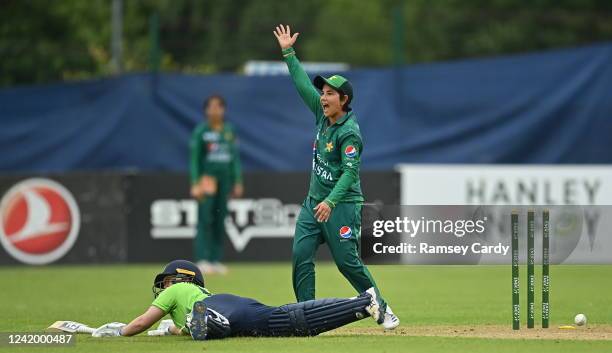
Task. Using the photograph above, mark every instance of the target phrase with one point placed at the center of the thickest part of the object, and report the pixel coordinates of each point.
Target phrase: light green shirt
(178, 299)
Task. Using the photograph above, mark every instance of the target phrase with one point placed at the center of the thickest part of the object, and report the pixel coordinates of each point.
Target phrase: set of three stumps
(516, 312)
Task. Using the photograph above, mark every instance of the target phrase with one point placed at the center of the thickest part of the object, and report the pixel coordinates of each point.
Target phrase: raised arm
(302, 82)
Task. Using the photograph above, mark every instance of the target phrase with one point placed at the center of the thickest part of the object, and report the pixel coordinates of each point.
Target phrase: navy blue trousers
(248, 317)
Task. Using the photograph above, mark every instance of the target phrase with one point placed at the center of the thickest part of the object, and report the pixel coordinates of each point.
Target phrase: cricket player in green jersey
(179, 292)
(331, 212)
(215, 174)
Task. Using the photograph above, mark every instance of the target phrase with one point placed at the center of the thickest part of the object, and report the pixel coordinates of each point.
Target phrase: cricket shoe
(390, 321)
(374, 309)
(199, 322)
(206, 267)
(219, 268)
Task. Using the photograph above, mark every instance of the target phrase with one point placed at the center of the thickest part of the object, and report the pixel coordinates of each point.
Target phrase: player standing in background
(215, 173)
(331, 212)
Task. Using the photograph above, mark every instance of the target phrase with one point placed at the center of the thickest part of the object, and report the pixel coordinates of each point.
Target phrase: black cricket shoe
(199, 322)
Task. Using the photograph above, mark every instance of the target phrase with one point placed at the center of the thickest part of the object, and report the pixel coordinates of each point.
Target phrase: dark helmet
(182, 271)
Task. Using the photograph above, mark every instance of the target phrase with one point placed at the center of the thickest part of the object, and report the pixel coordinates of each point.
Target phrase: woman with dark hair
(331, 212)
(215, 174)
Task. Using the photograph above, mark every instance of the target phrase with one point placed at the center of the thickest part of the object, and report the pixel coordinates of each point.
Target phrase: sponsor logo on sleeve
(350, 151)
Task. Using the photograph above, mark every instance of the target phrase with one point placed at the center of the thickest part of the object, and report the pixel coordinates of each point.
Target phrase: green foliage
(44, 41)
(39, 43)
(441, 30)
(358, 34)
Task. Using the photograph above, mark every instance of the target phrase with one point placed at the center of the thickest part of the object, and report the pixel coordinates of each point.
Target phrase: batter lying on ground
(179, 291)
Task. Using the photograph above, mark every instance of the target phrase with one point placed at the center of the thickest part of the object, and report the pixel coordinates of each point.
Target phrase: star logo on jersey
(345, 232)
(329, 146)
(350, 151)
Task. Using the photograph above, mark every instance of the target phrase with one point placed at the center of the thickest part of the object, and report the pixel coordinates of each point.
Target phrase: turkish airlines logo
(40, 221)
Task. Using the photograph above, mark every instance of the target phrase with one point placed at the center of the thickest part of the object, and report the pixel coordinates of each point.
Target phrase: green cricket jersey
(336, 149)
(215, 153)
(178, 299)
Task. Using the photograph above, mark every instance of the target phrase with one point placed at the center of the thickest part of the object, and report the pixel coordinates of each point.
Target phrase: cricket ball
(580, 320)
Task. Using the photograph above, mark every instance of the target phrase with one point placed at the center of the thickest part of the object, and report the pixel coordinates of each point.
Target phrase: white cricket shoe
(220, 268)
(374, 308)
(390, 321)
(206, 267)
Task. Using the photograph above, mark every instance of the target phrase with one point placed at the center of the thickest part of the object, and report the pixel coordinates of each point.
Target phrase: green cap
(337, 82)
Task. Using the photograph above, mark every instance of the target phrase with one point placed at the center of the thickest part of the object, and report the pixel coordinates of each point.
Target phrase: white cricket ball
(580, 319)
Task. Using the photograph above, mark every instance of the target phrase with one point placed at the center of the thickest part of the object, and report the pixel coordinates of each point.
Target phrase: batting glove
(112, 329)
(163, 329)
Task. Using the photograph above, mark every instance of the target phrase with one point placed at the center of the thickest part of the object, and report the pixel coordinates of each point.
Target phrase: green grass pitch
(422, 296)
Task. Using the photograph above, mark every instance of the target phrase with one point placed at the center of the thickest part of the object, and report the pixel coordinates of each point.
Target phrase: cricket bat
(71, 327)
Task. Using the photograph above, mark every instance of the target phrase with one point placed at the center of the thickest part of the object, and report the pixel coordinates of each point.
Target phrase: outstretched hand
(164, 329)
(112, 329)
(284, 37)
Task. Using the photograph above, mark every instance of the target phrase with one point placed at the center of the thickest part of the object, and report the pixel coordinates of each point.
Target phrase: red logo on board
(40, 221)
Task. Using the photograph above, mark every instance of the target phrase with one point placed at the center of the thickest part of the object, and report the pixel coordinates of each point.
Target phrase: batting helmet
(181, 271)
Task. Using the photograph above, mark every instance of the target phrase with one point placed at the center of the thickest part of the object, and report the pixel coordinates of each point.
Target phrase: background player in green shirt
(215, 173)
(179, 291)
(331, 212)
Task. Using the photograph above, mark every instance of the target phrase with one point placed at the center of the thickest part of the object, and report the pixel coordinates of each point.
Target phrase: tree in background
(45, 41)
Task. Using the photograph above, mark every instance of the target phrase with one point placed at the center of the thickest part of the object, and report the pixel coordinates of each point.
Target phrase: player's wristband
(329, 203)
(288, 52)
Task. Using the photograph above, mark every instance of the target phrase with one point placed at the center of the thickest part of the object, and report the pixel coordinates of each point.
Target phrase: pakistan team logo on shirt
(329, 146)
